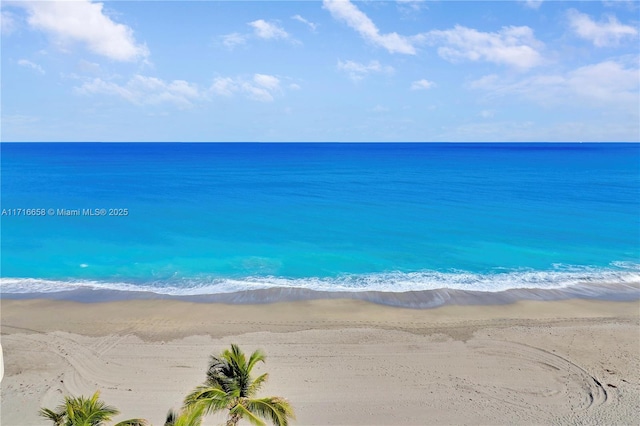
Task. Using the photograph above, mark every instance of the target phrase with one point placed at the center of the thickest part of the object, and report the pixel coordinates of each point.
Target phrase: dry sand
(339, 362)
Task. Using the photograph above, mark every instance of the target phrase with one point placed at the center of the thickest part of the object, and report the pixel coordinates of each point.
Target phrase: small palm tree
(81, 411)
(229, 386)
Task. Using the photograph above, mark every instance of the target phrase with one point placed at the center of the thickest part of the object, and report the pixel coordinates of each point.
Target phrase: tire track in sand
(568, 382)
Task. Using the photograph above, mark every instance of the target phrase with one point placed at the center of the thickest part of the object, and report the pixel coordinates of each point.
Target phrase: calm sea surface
(187, 218)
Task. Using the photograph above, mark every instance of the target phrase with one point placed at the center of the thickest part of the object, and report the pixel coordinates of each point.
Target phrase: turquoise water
(217, 218)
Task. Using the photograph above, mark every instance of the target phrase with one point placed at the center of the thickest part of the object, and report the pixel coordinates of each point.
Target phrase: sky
(332, 70)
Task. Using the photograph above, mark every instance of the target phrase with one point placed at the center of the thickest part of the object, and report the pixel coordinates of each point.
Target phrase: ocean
(407, 224)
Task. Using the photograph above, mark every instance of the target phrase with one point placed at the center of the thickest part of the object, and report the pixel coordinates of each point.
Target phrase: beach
(338, 362)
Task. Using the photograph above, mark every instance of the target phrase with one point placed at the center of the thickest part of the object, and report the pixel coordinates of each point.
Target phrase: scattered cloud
(29, 64)
(224, 86)
(602, 34)
(606, 82)
(533, 4)
(609, 83)
(311, 25)
(422, 85)
(262, 87)
(261, 29)
(142, 90)
(411, 5)
(234, 39)
(513, 46)
(344, 10)
(8, 22)
(358, 71)
(82, 21)
(268, 30)
(487, 113)
(267, 81)
(627, 4)
(256, 92)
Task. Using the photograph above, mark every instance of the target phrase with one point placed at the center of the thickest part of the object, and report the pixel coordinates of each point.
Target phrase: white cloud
(411, 5)
(262, 87)
(533, 4)
(627, 4)
(267, 81)
(422, 85)
(608, 84)
(224, 86)
(8, 22)
(358, 71)
(513, 46)
(487, 113)
(267, 30)
(257, 93)
(234, 39)
(29, 64)
(142, 90)
(261, 29)
(602, 34)
(344, 10)
(310, 24)
(84, 22)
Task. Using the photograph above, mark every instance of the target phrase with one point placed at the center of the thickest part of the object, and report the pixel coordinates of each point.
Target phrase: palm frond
(205, 392)
(276, 409)
(237, 371)
(242, 412)
(238, 364)
(211, 398)
(191, 416)
(255, 386)
(219, 372)
(96, 411)
(69, 405)
(133, 422)
(82, 411)
(91, 411)
(57, 417)
(256, 356)
(171, 418)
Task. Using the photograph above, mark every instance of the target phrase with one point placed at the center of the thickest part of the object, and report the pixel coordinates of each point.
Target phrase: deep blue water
(209, 218)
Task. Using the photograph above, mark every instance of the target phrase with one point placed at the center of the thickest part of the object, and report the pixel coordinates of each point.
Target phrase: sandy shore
(339, 362)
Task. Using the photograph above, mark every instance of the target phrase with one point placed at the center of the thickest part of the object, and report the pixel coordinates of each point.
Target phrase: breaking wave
(562, 276)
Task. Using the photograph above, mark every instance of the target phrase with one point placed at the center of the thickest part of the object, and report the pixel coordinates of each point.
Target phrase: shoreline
(422, 299)
(566, 361)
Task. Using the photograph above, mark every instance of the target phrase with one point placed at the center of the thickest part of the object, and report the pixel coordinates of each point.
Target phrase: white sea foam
(562, 276)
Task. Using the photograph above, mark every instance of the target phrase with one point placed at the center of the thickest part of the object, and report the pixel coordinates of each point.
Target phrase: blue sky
(330, 70)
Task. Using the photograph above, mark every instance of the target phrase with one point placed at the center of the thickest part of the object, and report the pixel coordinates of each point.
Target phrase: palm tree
(81, 411)
(229, 386)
